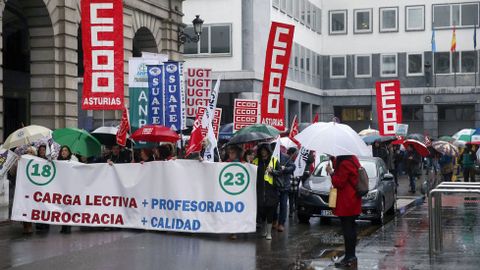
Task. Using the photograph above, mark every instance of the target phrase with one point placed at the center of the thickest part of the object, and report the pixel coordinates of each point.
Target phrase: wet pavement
(402, 243)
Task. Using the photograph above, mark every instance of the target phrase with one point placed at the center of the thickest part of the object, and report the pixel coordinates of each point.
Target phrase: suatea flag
(453, 46)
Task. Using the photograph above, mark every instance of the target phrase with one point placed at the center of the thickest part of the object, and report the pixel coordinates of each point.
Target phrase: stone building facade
(41, 64)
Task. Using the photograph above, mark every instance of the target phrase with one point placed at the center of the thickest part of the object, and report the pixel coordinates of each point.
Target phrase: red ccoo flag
(294, 131)
(123, 128)
(315, 120)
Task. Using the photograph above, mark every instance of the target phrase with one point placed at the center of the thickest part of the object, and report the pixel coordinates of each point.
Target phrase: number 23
(239, 179)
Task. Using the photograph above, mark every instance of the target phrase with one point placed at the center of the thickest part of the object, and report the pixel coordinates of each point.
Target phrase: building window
(215, 39)
(415, 18)
(338, 22)
(318, 20)
(460, 15)
(363, 21)
(290, 7)
(338, 67)
(414, 64)
(308, 14)
(349, 114)
(275, 3)
(283, 5)
(456, 113)
(388, 65)
(363, 66)
(389, 19)
(460, 62)
(302, 11)
(412, 113)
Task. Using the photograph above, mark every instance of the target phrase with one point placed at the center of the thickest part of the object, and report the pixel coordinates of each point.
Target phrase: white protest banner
(180, 195)
(199, 85)
(245, 113)
(217, 116)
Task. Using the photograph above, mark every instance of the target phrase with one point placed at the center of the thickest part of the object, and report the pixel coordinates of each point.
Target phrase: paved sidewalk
(403, 243)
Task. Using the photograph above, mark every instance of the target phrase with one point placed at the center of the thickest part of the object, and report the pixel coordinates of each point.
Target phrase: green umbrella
(261, 128)
(79, 141)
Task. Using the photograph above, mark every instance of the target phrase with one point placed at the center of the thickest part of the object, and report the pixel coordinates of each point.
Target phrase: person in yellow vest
(267, 193)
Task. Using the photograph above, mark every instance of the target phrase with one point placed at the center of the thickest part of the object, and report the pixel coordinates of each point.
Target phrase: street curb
(415, 202)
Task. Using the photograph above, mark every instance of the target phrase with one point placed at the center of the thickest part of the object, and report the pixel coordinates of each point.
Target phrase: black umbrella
(250, 137)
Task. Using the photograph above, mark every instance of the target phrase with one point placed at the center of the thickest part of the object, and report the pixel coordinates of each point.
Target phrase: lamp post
(197, 28)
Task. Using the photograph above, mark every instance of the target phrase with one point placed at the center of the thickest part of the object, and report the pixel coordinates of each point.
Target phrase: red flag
(196, 138)
(315, 120)
(294, 131)
(123, 128)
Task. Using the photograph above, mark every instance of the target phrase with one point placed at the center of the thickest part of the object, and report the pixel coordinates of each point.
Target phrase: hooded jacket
(345, 179)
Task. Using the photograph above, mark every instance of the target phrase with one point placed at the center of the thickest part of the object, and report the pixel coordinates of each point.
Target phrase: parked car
(380, 200)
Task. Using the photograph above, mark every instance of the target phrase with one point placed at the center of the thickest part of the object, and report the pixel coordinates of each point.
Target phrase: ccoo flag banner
(156, 96)
(173, 95)
(277, 59)
(157, 195)
(102, 36)
(389, 106)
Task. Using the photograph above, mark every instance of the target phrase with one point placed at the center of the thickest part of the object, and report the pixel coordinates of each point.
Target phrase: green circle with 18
(40, 173)
(234, 179)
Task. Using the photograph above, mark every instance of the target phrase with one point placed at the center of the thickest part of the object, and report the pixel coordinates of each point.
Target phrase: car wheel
(381, 215)
(304, 219)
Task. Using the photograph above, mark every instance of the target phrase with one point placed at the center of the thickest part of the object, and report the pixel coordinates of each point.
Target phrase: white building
(341, 48)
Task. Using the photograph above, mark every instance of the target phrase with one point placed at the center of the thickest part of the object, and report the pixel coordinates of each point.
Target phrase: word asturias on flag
(277, 59)
(102, 35)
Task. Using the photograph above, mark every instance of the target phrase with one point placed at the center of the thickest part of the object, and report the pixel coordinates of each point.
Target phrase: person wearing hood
(349, 205)
(267, 193)
(285, 175)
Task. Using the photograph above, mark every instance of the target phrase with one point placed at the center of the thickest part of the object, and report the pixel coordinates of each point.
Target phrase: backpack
(362, 184)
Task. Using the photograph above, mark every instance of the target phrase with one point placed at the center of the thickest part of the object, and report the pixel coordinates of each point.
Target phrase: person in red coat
(349, 205)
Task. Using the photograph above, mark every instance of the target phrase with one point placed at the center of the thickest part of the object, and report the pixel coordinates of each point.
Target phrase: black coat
(267, 195)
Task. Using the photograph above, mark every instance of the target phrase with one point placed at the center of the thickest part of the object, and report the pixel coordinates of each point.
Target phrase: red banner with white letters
(389, 106)
(277, 59)
(102, 38)
(245, 113)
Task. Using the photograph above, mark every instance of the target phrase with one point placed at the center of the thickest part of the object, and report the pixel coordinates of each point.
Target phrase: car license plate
(326, 213)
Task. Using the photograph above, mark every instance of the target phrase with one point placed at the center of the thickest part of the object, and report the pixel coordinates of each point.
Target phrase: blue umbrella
(226, 132)
(370, 139)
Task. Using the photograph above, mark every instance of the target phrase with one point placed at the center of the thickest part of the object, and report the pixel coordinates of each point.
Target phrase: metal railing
(435, 235)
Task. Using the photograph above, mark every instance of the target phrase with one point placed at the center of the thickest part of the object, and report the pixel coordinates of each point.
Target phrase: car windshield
(369, 166)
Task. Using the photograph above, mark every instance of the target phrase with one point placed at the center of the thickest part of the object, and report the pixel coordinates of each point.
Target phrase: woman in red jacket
(349, 205)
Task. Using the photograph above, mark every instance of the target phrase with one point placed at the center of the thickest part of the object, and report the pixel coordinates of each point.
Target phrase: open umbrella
(464, 135)
(416, 136)
(155, 133)
(334, 139)
(418, 146)
(250, 137)
(476, 137)
(262, 128)
(78, 140)
(226, 132)
(287, 142)
(107, 135)
(370, 139)
(445, 148)
(446, 139)
(254, 133)
(368, 132)
(26, 135)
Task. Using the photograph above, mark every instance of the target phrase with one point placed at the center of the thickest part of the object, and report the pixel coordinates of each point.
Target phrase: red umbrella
(155, 133)
(420, 147)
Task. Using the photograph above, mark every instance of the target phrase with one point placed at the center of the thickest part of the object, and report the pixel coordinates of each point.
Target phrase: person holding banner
(145, 155)
(65, 154)
(117, 156)
(249, 156)
(42, 153)
(267, 193)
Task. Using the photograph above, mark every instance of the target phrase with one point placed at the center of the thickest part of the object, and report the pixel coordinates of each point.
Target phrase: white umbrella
(334, 139)
(285, 141)
(26, 135)
(369, 131)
